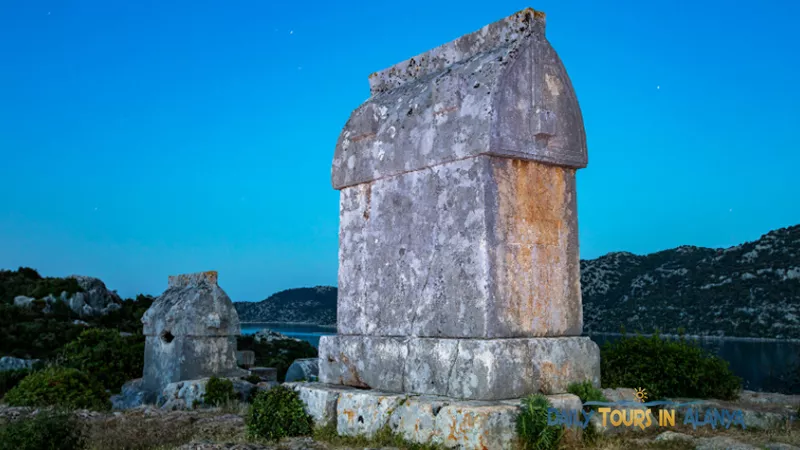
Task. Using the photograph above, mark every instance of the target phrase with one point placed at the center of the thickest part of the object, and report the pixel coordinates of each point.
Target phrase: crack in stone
(428, 271)
(452, 367)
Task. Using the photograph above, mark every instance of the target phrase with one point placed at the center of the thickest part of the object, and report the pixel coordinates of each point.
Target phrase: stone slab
(484, 247)
(423, 419)
(501, 90)
(364, 413)
(475, 369)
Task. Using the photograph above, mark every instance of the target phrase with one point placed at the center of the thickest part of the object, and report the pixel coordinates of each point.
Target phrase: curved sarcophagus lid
(500, 91)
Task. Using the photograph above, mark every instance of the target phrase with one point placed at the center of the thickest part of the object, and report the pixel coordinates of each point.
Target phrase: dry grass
(137, 431)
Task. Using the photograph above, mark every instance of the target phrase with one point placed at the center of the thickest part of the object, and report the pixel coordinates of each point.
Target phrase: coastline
(331, 327)
(695, 337)
(698, 337)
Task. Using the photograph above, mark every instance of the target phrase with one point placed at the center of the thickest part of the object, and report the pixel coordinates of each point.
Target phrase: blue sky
(149, 138)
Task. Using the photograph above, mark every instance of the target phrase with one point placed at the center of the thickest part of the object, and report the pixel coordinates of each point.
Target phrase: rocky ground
(767, 417)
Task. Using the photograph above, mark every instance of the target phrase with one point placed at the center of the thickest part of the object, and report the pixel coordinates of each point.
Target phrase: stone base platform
(420, 419)
(473, 369)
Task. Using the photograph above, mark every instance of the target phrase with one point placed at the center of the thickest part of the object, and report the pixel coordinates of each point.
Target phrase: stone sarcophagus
(459, 268)
(190, 332)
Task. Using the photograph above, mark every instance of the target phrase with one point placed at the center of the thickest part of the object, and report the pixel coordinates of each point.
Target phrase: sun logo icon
(640, 394)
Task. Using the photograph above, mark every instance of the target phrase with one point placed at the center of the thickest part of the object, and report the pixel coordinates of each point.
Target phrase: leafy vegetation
(47, 430)
(279, 354)
(588, 393)
(129, 317)
(109, 357)
(26, 281)
(278, 413)
(11, 378)
(532, 428)
(667, 368)
(28, 333)
(59, 386)
(255, 379)
(219, 391)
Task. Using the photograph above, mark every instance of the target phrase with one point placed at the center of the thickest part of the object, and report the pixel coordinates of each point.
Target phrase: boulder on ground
(306, 369)
(22, 301)
(131, 396)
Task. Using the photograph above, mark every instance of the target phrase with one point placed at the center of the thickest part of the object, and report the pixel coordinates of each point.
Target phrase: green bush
(11, 378)
(59, 386)
(278, 413)
(110, 358)
(129, 317)
(532, 428)
(667, 369)
(254, 379)
(219, 391)
(587, 393)
(28, 333)
(47, 430)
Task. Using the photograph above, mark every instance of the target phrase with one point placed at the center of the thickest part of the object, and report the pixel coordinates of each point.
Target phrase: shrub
(11, 378)
(219, 391)
(254, 379)
(110, 358)
(587, 393)
(129, 317)
(278, 413)
(28, 333)
(532, 428)
(59, 386)
(47, 430)
(667, 368)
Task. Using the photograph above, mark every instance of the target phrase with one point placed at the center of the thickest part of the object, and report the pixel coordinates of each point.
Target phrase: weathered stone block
(245, 358)
(469, 425)
(479, 369)
(476, 426)
(190, 333)
(482, 247)
(415, 418)
(501, 90)
(364, 413)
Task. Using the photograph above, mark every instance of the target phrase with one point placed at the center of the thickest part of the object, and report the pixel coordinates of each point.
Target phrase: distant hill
(750, 290)
(315, 305)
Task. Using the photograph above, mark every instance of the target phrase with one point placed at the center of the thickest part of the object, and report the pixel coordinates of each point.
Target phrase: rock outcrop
(266, 335)
(95, 300)
(11, 363)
